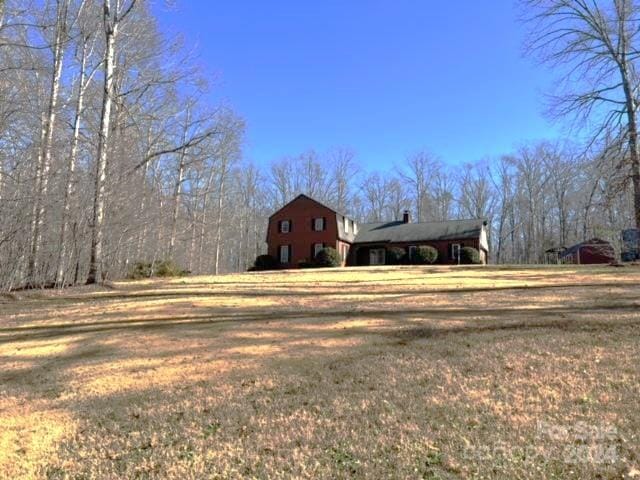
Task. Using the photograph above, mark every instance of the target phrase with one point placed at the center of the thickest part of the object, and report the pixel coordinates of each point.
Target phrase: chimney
(405, 216)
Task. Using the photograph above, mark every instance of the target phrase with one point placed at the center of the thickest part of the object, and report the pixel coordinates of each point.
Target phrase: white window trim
(346, 225)
(316, 250)
(282, 224)
(315, 224)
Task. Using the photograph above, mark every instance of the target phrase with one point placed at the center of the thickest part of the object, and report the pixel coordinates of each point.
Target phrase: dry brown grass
(354, 373)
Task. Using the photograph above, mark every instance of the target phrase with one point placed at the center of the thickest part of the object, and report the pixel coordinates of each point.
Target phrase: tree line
(112, 152)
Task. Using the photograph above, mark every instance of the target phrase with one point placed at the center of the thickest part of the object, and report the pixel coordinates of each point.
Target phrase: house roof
(302, 195)
(397, 232)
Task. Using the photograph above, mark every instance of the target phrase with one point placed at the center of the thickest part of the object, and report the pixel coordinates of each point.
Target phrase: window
(412, 251)
(316, 248)
(318, 224)
(285, 226)
(455, 252)
(353, 226)
(346, 225)
(376, 256)
(285, 253)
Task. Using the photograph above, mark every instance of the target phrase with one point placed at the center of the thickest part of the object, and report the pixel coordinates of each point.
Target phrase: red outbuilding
(590, 252)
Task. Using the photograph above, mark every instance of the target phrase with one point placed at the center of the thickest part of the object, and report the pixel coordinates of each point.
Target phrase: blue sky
(386, 78)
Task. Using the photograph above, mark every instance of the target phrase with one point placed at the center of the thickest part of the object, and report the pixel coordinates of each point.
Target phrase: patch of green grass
(344, 459)
(211, 429)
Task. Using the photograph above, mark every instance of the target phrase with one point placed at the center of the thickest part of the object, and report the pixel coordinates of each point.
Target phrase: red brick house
(304, 226)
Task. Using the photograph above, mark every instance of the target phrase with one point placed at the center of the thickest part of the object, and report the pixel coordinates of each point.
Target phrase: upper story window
(354, 228)
(285, 226)
(318, 224)
(346, 225)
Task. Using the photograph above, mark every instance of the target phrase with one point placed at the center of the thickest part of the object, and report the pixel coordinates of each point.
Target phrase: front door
(376, 256)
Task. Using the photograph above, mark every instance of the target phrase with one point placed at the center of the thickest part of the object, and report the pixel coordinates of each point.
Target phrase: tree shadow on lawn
(193, 417)
(289, 332)
(311, 292)
(282, 327)
(227, 316)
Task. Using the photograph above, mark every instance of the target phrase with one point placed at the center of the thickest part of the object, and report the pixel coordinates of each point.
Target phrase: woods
(113, 152)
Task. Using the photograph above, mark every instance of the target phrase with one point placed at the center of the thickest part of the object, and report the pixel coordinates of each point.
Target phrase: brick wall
(302, 237)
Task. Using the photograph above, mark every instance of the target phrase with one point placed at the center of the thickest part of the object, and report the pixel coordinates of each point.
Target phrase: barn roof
(594, 242)
(398, 231)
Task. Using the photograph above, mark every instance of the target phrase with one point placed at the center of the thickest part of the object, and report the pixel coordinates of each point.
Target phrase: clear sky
(384, 77)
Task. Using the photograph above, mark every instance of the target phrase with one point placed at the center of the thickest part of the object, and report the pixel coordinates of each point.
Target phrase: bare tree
(417, 174)
(476, 194)
(85, 76)
(375, 193)
(597, 44)
(113, 17)
(345, 170)
(43, 163)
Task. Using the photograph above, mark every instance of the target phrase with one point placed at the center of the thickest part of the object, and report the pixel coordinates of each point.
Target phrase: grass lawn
(394, 372)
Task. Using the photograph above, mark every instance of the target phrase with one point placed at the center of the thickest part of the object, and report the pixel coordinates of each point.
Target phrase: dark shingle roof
(396, 232)
(594, 242)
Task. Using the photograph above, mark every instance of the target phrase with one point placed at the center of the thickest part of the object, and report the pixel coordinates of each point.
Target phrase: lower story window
(285, 253)
(376, 256)
(316, 248)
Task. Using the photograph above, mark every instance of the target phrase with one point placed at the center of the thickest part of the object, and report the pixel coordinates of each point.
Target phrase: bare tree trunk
(111, 30)
(157, 251)
(1, 179)
(203, 226)
(177, 191)
(142, 236)
(632, 128)
(193, 227)
(223, 174)
(192, 243)
(71, 167)
(44, 161)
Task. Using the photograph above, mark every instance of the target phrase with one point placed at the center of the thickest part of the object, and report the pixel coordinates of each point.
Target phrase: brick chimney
(406, 217)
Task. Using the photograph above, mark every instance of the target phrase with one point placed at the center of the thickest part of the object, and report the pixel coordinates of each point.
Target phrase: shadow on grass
(311, 292)
(227, 317)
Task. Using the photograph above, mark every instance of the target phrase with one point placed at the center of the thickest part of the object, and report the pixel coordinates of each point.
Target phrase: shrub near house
(424, 255)
(328, 257)
(264, 262)
(469, 256)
